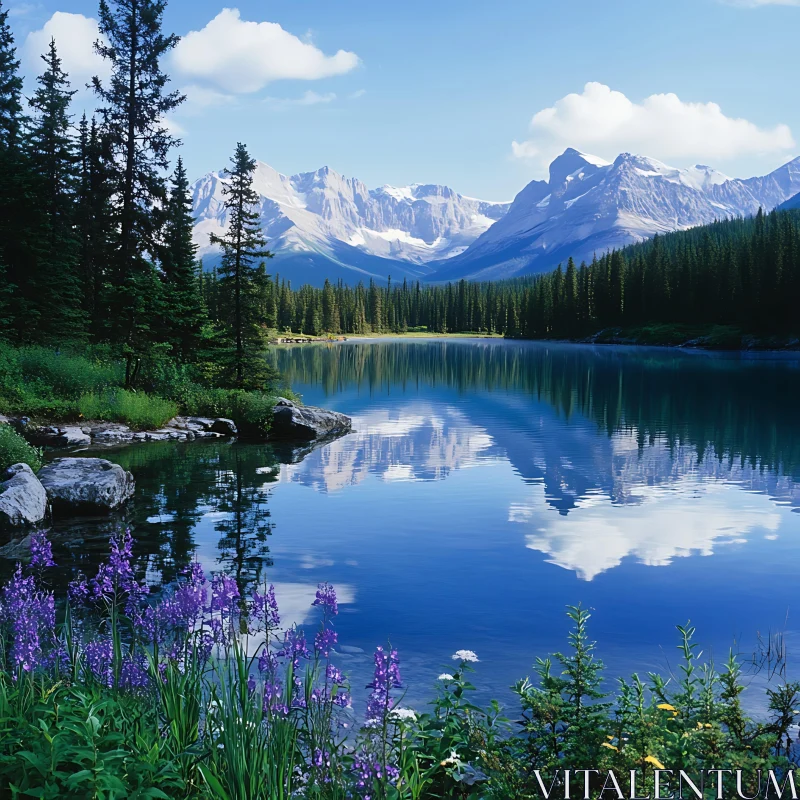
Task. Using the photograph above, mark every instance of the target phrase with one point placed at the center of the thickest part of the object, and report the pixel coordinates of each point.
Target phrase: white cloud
(240, 56)
(606, 122)
(75, 36)
(597, 535)
(308, 98)
(201, 97)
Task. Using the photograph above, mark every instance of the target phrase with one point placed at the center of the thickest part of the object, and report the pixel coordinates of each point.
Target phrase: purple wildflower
(99, 655)
(78, 592)
(385, 678)
(326, 597)
(113, 576)
(41, 551)
(224, 593)
(30, 616)
(273, 699)
(324, 641)
(267, 662)
(265, 608)
(334, 674)
(133, 673)
(294, 646)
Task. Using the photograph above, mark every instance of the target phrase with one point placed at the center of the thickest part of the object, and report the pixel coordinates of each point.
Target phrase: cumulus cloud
(75, 36)
(606, 122)
(240, 57)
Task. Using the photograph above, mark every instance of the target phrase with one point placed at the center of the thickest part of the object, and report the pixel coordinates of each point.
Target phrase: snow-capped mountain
(589, 205)
(323, 225)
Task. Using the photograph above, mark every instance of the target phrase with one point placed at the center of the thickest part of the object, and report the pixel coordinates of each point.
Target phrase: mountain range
(323, 225)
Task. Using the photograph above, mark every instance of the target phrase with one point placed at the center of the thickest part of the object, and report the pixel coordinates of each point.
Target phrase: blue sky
(438, 91)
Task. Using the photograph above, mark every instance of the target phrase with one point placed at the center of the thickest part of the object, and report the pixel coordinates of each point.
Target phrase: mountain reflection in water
(487, 485)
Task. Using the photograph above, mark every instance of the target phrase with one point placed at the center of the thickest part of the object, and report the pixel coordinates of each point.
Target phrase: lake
(489, 484)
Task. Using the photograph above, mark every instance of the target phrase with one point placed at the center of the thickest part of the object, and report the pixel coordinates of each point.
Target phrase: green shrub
(15, 450)
(251, 411)
(138, 410)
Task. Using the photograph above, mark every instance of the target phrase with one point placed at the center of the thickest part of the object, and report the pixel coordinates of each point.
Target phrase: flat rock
(306, 423)
(76, 485)
(23, 500)
(112, 432)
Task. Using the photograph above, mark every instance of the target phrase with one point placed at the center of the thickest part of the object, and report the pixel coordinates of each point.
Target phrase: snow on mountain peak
(321, 211)
(590, 206)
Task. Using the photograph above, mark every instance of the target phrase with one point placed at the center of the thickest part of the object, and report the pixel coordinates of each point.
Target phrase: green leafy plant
(15, 450)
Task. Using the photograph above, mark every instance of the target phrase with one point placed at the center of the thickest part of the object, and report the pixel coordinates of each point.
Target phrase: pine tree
(134, 104)
(242, 246)
(94, 222)
(183, 314)
(58, 300)
(16, 193)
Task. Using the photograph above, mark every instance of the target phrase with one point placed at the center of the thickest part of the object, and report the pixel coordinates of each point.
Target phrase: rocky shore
(80, 485)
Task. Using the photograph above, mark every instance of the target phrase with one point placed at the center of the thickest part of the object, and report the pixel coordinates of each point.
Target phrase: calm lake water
(489, 484)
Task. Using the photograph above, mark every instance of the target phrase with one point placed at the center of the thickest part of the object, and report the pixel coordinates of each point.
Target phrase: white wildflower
(464, 655)
(403, 714)
(445, 676)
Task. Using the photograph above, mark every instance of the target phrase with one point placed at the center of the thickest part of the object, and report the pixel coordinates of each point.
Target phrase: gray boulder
(23, 500)
(291, 422)
(92, 485)
(227, 427)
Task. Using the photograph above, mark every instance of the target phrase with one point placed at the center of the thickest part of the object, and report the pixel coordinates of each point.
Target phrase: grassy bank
(88, 384)
(201, 693)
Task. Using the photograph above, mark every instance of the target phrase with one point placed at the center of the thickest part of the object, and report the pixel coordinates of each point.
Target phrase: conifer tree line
(96, 228)
(389, 308)
(743, 272)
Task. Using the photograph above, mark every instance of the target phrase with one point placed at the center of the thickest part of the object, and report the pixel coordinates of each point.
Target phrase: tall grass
(53, 385)
(138, 410)
(201, 694)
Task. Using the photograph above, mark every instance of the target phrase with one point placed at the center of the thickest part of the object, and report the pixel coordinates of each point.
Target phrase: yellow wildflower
(667, 707)
(610, 738)
(655, 762)
(610, 746)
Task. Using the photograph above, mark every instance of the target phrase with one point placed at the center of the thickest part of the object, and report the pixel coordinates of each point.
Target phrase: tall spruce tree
(53, 159)
(94, 222)
(240, 276)
(134, 102)
(17, 257)
(183, 315)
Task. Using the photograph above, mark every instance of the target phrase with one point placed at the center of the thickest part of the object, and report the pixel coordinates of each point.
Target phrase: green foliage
(80, 742)
(183, 313)
(251, 411)
(52, 151)
(15, 450)
(136, 409)
(58, 385)
(46, 383)
(242, 279)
